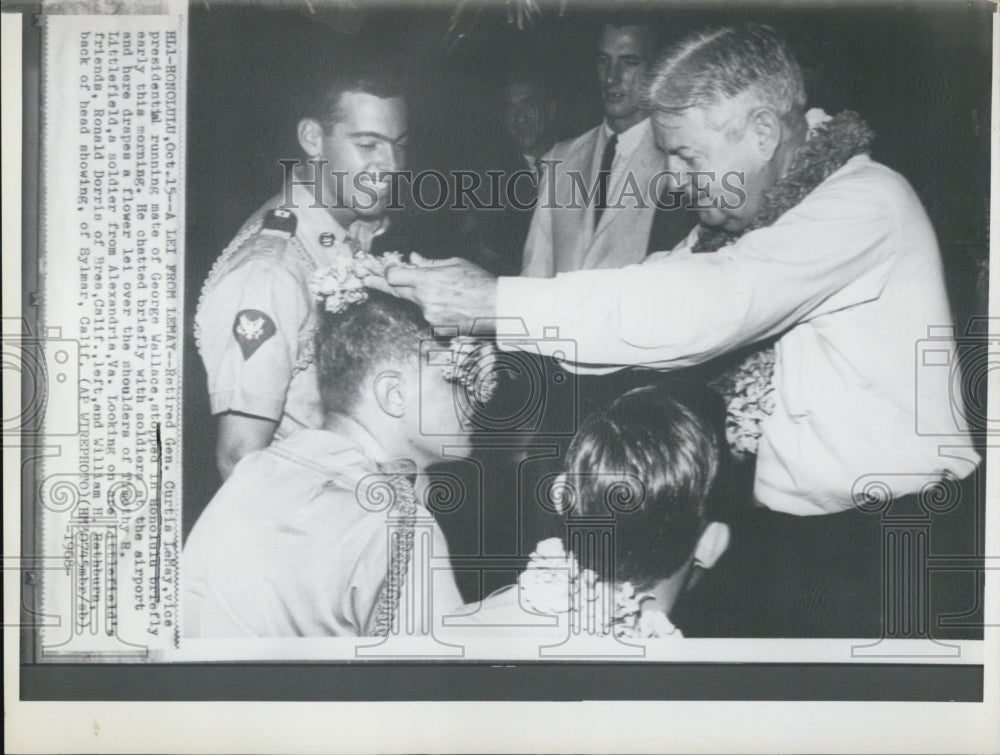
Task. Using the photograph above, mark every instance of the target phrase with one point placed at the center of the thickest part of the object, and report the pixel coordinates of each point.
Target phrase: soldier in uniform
(256, 317)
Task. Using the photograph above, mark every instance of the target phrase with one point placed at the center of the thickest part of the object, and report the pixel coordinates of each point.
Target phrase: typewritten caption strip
(112, 308)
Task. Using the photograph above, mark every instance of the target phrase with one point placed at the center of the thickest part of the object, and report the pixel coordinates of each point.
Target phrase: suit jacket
(562, 237)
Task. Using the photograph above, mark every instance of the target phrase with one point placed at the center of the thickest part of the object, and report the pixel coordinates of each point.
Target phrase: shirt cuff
(246, 403)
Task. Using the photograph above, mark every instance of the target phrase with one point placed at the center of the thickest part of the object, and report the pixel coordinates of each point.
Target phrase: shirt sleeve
(834, 250)
(250, 323)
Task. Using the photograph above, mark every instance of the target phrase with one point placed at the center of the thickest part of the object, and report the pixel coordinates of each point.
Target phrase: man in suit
(596, 206)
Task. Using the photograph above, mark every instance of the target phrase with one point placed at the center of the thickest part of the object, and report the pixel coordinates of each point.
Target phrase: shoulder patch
(280, 223)
(251, 328)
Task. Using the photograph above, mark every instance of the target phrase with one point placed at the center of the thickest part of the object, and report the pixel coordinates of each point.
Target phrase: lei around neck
(748, 387)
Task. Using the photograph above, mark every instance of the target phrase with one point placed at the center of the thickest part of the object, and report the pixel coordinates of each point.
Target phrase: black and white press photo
(745, 223)
(503, 350)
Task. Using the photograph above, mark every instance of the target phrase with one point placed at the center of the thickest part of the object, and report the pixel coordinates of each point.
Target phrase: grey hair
(750, 62)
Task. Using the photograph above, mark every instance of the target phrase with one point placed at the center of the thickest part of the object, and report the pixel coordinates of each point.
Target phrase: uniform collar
(338, 456)
(323, 235)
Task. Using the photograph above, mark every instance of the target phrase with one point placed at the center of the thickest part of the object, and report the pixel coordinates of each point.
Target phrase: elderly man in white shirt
(816, 247)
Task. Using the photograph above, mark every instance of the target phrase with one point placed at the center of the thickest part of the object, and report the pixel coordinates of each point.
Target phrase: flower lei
(747, 387)
(471, 363)
(554, 583)
(401, 544)
(342, 283)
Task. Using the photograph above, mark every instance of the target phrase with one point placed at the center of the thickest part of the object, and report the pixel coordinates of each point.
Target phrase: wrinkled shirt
(850, 280)
(295, 544)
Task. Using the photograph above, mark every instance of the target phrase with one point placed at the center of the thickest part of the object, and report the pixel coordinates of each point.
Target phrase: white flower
(342, 282)
(553, 583)
(635, 618)
(816, 117)
(549, 548)
(547, 582)
(472, 364)
(749, 394)
(656, 624)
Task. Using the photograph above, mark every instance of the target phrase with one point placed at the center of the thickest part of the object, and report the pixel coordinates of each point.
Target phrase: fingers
(378, 283)
(420, 261)
(404, 276)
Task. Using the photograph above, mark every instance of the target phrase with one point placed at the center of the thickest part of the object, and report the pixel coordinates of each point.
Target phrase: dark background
(918, 73)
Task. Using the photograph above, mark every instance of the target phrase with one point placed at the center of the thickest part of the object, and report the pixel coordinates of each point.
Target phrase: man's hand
(450, 292)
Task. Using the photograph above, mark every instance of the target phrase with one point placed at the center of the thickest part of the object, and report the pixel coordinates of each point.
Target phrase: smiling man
(256, 316)
(595, 209)
(832, 257)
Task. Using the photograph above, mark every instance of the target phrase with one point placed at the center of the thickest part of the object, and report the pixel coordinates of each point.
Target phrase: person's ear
(711, 545)
(311, 137)
(765, 129)
(389, 393)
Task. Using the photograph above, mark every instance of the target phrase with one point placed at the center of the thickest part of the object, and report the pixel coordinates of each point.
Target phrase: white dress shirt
(628, 142)
(850, 279)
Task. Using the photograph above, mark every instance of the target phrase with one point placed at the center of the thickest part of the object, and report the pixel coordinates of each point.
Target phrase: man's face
(526, 116)
(370, 137)
(719, 163)
(622, 56)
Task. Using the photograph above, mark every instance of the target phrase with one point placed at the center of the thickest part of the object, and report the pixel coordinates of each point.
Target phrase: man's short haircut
(362, 72)
(750, 62)
(649, 461)
(638, 19)
(354, 344)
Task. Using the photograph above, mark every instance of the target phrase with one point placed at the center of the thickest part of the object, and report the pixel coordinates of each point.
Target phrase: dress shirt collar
(628, 140)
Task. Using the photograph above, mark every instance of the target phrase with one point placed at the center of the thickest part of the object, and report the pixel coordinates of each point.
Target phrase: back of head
(649, 462)
(751, 63)
(354, 344)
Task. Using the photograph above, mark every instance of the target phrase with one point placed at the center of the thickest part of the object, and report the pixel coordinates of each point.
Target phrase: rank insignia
(251, 328)
(327, 239)
(279, 222)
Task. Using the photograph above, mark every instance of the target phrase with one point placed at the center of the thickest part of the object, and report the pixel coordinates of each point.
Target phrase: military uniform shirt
(257, 317)
(290, 546)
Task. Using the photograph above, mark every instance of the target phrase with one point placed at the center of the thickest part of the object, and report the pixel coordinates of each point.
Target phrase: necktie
(604, 176)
